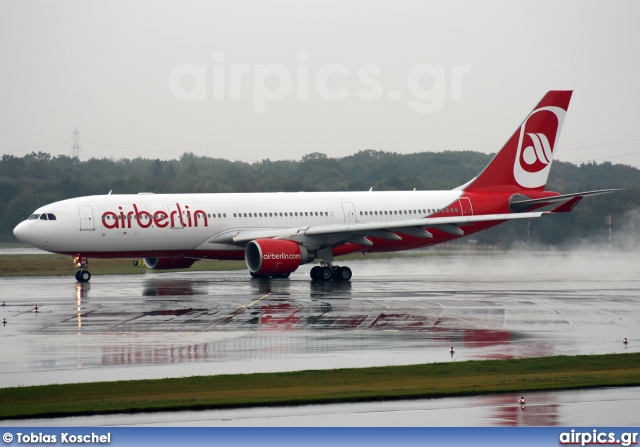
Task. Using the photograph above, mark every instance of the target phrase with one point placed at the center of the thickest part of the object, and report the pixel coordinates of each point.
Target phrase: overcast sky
(249, 80)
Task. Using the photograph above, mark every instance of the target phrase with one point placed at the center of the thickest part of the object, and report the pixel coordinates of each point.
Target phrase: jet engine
(168, 263)
(275, 256)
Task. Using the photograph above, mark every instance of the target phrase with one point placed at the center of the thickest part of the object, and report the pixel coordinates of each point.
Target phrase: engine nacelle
(275, 256)
(168, 263)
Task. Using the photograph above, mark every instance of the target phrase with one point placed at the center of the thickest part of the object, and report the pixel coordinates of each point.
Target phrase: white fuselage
(160, 224)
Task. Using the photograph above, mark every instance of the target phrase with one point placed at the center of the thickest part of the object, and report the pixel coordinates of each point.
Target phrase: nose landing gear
(83, 274)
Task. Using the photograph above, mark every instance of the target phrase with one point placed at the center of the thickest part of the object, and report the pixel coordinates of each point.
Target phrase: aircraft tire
(83, 276)
(343, 274)
(315, 273)
(326, 274)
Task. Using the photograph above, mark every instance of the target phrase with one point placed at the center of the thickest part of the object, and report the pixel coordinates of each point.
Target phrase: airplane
(275, 233)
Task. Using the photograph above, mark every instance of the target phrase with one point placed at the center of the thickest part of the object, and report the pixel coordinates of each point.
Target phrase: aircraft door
(465, 206)
(86, 218)
(349, 212)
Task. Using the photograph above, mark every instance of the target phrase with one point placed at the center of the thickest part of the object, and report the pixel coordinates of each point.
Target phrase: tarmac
(401, 310)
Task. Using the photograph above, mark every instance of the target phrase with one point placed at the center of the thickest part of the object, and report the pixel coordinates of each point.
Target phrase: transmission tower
(75, 149)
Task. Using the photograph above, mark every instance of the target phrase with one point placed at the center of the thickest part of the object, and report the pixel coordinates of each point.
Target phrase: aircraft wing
(383, 230)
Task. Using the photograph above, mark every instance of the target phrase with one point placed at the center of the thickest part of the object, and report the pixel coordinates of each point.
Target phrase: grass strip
(60, 265)
(323, 386)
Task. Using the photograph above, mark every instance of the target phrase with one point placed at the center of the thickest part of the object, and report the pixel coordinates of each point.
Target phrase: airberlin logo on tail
(538, 136)
(176, 218)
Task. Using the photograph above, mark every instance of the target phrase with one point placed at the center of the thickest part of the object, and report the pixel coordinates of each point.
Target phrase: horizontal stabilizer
(523, 205)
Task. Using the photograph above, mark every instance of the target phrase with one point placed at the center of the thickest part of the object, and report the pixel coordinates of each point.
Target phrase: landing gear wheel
(316, 273)
(83, 276)
(343, 274)
(326, 273)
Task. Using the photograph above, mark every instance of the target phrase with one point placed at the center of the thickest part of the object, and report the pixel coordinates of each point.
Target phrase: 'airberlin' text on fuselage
(177, 218)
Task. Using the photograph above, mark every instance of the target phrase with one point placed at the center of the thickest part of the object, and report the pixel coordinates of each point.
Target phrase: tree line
(35, 179)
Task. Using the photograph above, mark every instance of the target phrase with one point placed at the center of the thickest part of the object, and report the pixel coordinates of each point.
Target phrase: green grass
(326, 386)
(59, 265)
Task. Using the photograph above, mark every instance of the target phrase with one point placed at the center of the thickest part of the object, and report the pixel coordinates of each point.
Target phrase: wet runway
(395, 311)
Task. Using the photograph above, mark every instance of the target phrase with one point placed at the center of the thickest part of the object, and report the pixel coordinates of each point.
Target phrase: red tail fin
(525, 161)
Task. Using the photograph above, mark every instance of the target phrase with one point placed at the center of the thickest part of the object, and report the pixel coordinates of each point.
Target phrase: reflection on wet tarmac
(398, 311)
(171, 287)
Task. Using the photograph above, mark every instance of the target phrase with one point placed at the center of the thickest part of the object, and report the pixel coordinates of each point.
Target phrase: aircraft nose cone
(21, 231)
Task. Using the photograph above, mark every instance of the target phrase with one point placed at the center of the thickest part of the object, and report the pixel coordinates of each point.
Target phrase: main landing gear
(325, 272)
(83, 274)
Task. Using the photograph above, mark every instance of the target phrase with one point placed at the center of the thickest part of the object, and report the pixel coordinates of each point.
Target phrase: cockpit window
(47, 216)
